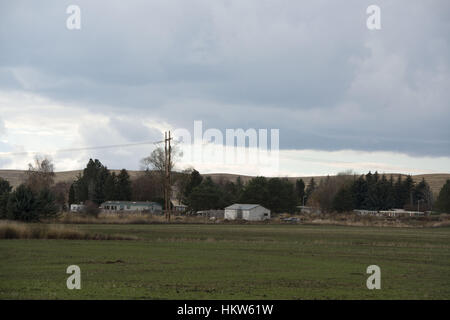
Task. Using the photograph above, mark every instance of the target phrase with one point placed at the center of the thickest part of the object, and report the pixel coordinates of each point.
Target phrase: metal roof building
(250, 212)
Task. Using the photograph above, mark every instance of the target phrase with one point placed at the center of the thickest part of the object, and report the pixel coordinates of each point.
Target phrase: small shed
(249, 212)
(76, 207)
(178, 206)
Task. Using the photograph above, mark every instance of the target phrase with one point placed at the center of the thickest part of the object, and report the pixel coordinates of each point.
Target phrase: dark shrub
(22, 205)
(91, 209)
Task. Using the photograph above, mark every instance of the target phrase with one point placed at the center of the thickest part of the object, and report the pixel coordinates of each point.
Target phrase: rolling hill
(16, 177)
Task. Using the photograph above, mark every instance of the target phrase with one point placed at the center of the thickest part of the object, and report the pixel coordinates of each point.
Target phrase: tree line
(98, 184)
(199, 193)
(34, 199)
(345, 192)
(342, 193)
(39, 197)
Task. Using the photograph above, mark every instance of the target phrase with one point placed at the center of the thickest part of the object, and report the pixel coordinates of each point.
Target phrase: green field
(231, 262)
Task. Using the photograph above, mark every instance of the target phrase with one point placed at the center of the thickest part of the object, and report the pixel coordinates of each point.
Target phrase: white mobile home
(250, 212)
(130, 206)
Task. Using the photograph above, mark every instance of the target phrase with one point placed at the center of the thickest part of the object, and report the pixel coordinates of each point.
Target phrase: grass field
(231, 262)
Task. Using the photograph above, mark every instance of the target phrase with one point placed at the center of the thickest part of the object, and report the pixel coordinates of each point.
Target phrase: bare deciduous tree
(323, 195)
(156, 160)
(155, 166)
(61, 193)
(40, 175)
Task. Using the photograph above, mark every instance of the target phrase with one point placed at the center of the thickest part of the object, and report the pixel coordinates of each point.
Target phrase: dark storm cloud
(311, 69)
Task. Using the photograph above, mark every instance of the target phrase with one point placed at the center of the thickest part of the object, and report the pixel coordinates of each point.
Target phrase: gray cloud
(2, 127)
(134, 130)
(4, 147)
(117, 131)
(311, 69)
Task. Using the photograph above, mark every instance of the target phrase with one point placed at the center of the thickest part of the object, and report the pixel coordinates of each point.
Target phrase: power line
(23, 153)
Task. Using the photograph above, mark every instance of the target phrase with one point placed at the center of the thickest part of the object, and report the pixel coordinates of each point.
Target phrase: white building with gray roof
(249, 212)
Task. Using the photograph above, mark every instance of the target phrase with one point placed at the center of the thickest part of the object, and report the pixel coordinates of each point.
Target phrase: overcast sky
(343, 96)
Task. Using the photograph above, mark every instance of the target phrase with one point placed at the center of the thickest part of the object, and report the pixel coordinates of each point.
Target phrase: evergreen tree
(102, 176)
(239, 187)
(195, 180)
(124, 186)
(398, 193)
(443, 200)
(360, 192)
(300, 191)
(408, 192)
(376, 177)
(22, 205)
(80, 189)
(369, 178)
(4, 205)
(371, 201)
(344, 201)
(256, 192)
(282, 197)
(422, 195)
(391, 199)
(205, 196)
(111, 187)
(46, 204)
(310, 188)
(91, 184)
(5, 189)
(382, 193)
(72, 199)
(379, 193)
(230, 193)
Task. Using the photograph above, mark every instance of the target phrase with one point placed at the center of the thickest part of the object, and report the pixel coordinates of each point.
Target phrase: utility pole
(168, 169)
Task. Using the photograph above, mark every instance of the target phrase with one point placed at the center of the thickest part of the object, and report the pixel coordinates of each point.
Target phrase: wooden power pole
(168, 169)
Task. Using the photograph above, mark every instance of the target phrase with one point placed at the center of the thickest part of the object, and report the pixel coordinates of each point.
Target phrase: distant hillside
(16, 177)
(435, 180)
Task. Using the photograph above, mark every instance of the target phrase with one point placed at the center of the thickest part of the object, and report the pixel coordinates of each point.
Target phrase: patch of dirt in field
(117, 261)
(104, 262)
